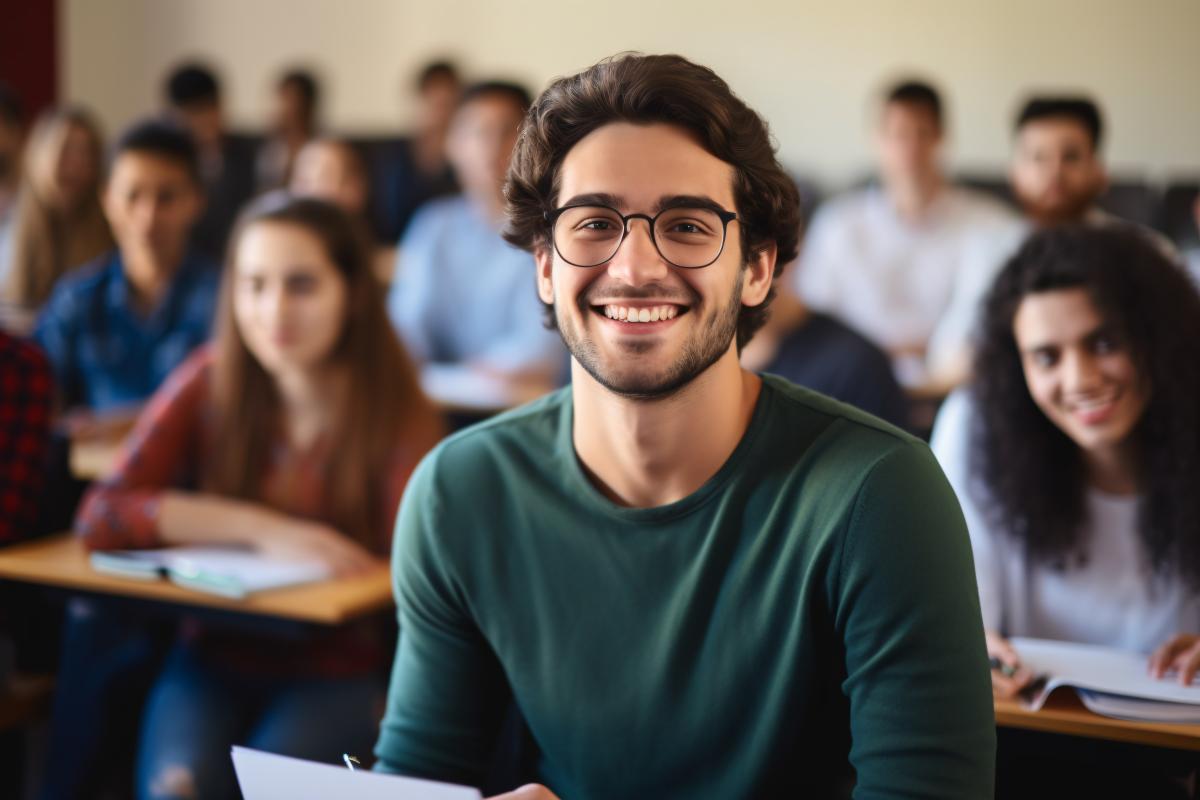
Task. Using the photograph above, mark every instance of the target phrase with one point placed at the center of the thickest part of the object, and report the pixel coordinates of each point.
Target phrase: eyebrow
(664, 202)
(1103, 329)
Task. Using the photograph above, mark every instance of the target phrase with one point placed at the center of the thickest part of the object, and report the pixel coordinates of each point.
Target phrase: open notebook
(217, 570)
(1111, 682)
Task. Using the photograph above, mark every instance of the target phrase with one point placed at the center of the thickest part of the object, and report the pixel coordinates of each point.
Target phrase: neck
(308, 399)
(647, 453)
(149, 272)
(1112, 470)
(914, 197)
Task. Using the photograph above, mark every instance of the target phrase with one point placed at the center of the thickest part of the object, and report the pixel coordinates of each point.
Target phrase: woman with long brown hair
(58, 222)
(293, 434)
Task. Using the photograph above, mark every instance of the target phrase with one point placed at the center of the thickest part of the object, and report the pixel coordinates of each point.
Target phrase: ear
(544, 256)
(760, 271)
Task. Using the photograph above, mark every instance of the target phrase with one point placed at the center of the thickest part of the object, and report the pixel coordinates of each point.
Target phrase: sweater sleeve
(447, 691)
(122, 511)
(905, 604)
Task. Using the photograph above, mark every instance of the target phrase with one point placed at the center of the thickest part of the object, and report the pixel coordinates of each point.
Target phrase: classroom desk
(62, 562)
(1064, 713)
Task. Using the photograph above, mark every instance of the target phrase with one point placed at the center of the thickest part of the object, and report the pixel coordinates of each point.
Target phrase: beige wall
(808, 66)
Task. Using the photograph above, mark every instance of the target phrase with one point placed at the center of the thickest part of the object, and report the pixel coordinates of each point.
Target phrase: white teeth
(628, 314)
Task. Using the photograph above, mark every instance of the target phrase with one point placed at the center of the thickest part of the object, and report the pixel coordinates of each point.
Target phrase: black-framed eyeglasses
(689, 237)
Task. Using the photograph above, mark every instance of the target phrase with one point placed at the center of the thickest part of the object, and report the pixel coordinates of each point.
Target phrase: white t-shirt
(1112, 598)
(883, 275)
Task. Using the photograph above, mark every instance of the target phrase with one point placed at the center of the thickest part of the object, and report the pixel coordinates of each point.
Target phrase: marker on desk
(1007, 670)
(351, 761)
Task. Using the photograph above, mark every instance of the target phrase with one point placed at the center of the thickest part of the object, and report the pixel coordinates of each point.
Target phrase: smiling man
(690, 581)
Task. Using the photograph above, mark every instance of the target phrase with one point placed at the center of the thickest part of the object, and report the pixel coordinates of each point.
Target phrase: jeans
(197, 710)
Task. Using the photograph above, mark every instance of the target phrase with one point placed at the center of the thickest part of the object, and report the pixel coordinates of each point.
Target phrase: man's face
(481, 142)
(907, 143)
(151, 203)
(639, 169)
(1055, 173)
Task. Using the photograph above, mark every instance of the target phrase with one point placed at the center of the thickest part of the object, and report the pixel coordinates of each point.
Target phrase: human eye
(596, 223)
(301, 283)
(1044, 357)
(688, 223)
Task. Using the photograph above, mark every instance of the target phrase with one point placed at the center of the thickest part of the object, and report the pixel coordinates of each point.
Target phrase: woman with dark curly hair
(1076, 451)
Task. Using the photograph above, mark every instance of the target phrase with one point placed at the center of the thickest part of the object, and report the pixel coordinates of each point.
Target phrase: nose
(1081, 373)
(637, 261)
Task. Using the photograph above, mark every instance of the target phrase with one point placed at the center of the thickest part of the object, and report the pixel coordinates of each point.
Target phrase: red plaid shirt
(25, 392)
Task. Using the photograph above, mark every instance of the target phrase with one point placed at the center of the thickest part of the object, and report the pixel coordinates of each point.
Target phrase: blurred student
(417, 168)
(464, 299)
(12, 137)
(58, 222)
(818, 352)
(116, 327)
(884, 259)
(1057, 175)
(226, 161)
(25, 406)
(1075, 451)
(332, 169)
(294, 435)
(293, 124)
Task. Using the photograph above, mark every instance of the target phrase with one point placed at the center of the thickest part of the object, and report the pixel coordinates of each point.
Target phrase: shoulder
(189, 381)
(845, 440)
(979, 207)
(435, 215)
(86, 280)
(845, 209)
(504, 448)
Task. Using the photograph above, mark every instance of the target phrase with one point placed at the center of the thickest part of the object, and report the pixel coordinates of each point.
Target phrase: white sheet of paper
(266, 776)
(1100, 669)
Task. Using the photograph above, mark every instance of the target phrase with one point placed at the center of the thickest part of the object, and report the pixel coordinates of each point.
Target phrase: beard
(708, 341)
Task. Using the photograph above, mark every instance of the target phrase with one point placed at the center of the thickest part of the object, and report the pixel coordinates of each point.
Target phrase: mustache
(685, 296)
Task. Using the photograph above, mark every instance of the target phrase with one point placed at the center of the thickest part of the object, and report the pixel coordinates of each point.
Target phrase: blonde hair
(48, 240)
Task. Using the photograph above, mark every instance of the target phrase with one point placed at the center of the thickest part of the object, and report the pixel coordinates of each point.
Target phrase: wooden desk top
(62, 561)
(1065, 713)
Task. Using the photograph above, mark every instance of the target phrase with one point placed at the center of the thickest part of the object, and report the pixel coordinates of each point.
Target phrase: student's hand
(1006, 686)
(301, 540)
(530, 791)
(1181, 655)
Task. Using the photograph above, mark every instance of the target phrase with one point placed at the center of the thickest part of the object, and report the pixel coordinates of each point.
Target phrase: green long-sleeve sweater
(809, 611)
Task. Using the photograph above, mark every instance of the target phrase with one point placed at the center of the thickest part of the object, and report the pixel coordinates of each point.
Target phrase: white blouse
(1109, 597)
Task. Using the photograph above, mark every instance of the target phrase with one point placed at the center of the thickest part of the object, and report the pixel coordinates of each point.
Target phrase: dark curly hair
(1031, 474)
(646, 89)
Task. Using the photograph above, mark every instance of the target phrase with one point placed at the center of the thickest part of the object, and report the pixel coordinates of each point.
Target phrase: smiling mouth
(1097, 411)
(640, 314)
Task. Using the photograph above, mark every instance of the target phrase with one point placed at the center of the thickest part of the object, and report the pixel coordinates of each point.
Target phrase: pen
(351, 761)
(1007, 670)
